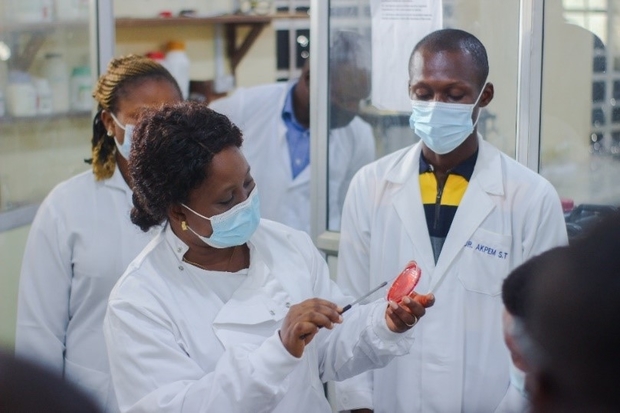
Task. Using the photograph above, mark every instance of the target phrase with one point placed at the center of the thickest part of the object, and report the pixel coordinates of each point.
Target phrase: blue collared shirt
(297, 137)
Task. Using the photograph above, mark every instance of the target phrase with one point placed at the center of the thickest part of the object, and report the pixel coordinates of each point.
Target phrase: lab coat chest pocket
(485, 262)
(248, 321)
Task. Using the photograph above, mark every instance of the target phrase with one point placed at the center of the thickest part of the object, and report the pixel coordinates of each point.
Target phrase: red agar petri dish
(405, 283)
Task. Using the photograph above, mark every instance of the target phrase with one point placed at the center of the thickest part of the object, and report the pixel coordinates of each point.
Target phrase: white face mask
(517, 379)
(516, 333)
(443, 127)
(125, 148)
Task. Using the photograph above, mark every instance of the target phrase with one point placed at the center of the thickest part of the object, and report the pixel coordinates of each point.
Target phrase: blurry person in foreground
(26, 387)
(573, 320)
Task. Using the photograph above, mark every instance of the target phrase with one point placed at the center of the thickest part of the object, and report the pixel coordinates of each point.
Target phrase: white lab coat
(80, 243)
(258, 113)
(174, 346)
(513, 402)
(459, 362)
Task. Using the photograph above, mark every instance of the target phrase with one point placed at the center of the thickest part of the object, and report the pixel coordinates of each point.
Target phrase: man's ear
(487, 94)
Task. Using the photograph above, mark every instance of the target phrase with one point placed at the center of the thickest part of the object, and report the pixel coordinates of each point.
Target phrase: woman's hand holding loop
(303, 322)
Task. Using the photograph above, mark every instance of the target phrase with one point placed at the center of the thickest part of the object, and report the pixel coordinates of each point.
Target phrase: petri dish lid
(405, 283)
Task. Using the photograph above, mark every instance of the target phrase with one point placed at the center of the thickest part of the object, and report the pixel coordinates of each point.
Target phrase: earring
(184, 225)
(110, 133)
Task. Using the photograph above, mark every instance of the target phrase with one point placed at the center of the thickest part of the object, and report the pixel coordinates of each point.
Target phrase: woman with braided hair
(82, 238)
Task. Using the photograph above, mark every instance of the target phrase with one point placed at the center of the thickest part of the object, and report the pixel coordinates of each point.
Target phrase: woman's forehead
(227, 168)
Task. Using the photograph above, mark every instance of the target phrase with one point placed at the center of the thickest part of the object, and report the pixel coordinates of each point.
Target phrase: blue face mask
(125, 148)
(235, 226)
(443, 127)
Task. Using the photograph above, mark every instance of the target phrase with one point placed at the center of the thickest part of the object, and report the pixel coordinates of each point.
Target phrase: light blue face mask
(443, 127)
(125, 148)
(235, 226)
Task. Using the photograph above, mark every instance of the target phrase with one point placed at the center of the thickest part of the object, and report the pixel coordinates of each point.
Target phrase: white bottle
(177, 64)
(21, 95)
(81, 89)
(56, 72)
(44, 96)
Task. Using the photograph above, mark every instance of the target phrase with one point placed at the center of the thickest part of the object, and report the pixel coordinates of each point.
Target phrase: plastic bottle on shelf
(44, 96)
(56, 72)
(177, 64)
(21, 95)
(81, 89)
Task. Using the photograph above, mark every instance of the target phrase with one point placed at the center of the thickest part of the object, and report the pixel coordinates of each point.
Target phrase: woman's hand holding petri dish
(405, 306)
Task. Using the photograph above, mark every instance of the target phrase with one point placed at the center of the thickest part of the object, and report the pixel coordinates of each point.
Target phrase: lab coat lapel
(256, 308)
(475, 206)
(408, 204)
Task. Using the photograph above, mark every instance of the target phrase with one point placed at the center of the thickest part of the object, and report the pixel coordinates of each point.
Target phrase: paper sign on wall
(397, 25)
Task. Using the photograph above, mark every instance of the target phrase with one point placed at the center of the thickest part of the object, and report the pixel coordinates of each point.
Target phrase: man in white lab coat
(275, 121)
(468, 214)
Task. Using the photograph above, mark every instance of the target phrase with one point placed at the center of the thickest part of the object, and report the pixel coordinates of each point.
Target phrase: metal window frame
(319, 96)
(102, 35)
(529, 78)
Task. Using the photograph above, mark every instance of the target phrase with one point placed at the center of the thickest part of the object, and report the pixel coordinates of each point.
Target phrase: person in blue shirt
(275, 120)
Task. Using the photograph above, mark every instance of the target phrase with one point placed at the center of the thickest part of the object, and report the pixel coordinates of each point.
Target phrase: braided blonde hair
(121, 74)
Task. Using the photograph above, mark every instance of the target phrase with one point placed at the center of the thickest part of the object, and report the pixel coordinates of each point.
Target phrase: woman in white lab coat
(82, 239)
(217, 313)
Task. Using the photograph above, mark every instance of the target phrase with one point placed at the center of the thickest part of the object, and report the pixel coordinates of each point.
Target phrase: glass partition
(556, 70)
(580, 120)
(352, 86)
(50, 58)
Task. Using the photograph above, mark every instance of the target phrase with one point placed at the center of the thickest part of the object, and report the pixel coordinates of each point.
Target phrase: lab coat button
(272, 312)
(179, 249)
(288, 305)
(181, 267)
